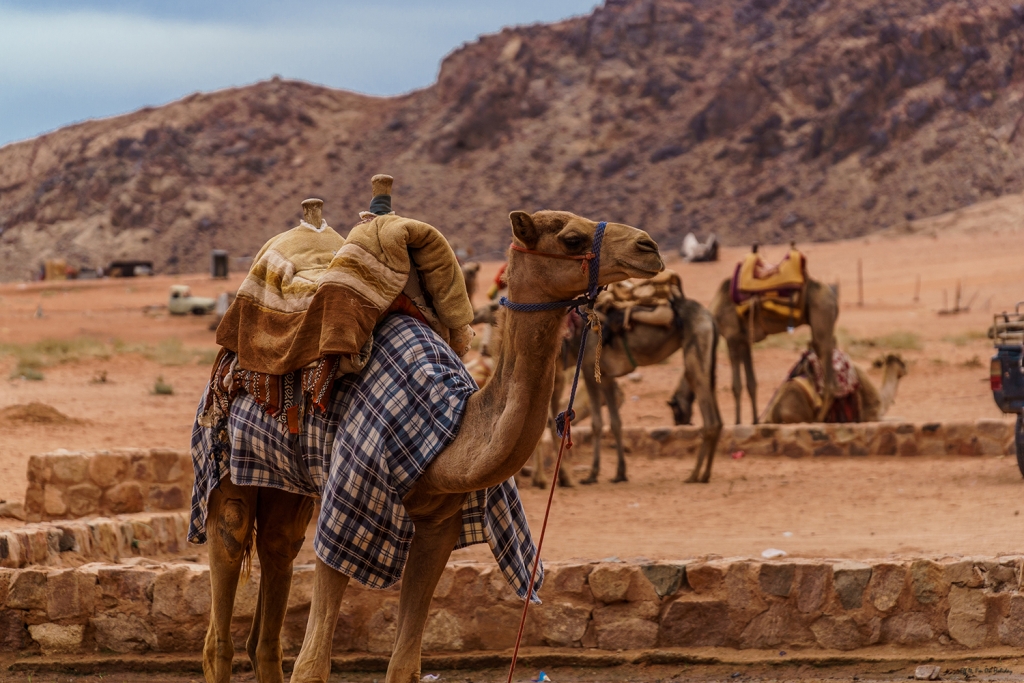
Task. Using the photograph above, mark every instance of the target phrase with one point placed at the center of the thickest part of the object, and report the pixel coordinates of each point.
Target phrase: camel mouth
(644, 268)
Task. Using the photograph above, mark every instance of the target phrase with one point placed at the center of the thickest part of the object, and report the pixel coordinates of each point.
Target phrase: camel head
(625, 252)
(681, 403)
(892, 363)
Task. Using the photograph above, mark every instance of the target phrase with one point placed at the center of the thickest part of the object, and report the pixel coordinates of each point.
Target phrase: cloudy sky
(63, 61)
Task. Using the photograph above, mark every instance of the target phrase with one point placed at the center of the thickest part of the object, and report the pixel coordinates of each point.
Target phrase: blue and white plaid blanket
(361, 456)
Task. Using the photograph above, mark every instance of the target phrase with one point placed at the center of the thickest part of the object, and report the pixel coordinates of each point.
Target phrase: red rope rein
(566, 443)
(585, 258)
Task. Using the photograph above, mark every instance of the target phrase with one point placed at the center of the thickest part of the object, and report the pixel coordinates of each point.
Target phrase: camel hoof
(539, 484)
(619, 478)
(565, 483)
(589, 480)
(692, 480)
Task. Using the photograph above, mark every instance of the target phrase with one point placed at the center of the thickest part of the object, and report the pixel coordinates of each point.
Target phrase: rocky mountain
(756, 119)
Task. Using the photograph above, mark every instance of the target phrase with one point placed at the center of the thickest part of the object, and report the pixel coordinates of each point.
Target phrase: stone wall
(66, 485)
(980, 437)
(959, 603)
(73, 543)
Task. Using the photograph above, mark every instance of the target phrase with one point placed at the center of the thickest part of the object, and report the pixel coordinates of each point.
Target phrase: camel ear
(524, 228)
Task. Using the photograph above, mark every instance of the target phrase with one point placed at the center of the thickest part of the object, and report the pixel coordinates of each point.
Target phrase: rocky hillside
(756, 119)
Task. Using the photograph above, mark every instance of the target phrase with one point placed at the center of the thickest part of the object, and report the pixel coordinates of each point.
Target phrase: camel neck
(887, 394)
(504, 421)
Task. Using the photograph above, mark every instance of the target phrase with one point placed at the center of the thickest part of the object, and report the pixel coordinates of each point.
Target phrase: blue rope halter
(565, 418)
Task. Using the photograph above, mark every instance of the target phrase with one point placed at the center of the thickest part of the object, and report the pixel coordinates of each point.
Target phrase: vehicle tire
(1019, 439)
(198, 311)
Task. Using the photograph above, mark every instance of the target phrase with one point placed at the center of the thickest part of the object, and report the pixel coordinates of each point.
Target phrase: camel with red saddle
(748, 308)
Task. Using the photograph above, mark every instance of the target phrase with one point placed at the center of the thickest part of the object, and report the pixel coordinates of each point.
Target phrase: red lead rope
(565, 444)
(585, 258)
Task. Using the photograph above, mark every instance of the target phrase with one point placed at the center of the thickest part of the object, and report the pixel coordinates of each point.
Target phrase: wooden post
(860, 283)
(917, 289)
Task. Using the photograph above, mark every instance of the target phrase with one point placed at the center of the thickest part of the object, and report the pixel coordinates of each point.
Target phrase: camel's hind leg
(608, 389)
(281, 520)
(699, 358)
(596, 427)
(540, 479)
(736, 364)
(230, 518)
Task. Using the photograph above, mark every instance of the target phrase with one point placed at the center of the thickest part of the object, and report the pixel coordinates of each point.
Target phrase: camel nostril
(647, 244)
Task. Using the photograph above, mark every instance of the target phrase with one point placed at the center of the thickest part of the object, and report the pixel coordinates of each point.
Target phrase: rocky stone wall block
(66, 485)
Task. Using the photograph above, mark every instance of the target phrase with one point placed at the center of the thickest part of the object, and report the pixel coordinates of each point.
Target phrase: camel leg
(231, 513)
(313, 665)
(608, 389)
(539, 479)
(699, 372)
(432, 545)
(282, 519)
(824, 344)
(596, 427)
(748, 365)
(556, 408)
(735, 363)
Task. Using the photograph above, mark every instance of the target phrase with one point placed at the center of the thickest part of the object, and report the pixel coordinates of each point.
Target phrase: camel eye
(573, 242)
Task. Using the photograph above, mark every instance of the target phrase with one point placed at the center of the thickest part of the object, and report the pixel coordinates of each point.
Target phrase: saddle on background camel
(780, 293)
(643, 301)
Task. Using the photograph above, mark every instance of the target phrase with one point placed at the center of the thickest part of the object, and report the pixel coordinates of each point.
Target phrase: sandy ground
(745, 667)
(843, 507)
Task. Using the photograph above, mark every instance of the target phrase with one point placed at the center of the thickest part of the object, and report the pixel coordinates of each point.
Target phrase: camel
(695, 332)
(792, 403)
(820, 311)
(500, 428)
(470, 273)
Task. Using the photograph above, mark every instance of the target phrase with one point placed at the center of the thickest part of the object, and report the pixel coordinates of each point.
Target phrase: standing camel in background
(499, 428)
(695, 333)
(820, 310)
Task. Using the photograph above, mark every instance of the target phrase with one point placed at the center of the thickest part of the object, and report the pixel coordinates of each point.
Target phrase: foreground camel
(695, 332)
(500, 428)
(820, 311)
(792, 404)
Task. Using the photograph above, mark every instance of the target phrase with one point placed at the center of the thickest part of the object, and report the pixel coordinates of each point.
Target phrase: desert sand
(117, 348)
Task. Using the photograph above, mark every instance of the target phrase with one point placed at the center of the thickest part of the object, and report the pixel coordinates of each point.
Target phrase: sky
(63, 61)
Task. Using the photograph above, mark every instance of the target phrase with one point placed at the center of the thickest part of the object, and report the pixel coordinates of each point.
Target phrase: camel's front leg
(313, 665)
(608, 387)
(282, 518)
(432, 545)
(748, 365)
(230, 517)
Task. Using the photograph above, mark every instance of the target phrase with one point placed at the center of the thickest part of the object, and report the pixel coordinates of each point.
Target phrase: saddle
(643, 301)
(779, 294)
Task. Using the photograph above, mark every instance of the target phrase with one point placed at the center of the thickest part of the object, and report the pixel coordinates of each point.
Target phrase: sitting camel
(693, 330)
(499, 428)
(797, 400)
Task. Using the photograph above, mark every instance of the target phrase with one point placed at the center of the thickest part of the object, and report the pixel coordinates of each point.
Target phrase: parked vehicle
(1006, 374)
(182, 302)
